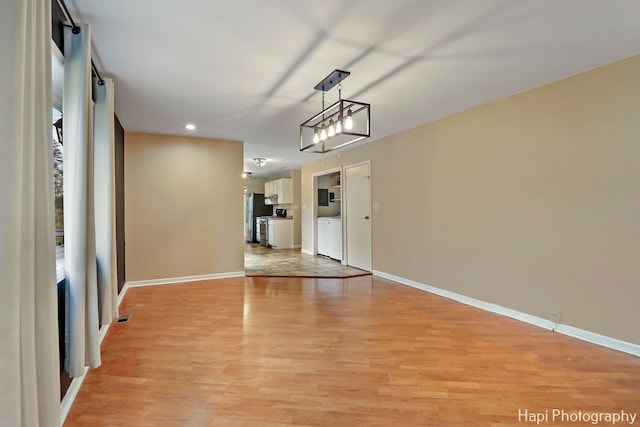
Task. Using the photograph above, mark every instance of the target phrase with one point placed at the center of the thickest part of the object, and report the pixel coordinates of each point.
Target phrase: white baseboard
(603, 340)
(184, 279)
(103, 331)
(70, 396)
(304, 251)
(122, 294)
(174, 281)
(76, 383)
(571, 331)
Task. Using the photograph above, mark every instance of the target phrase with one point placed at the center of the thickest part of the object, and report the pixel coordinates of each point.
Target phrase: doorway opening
(326, 214)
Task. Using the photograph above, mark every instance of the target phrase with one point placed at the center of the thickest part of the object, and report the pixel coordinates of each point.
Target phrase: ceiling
(245, 69)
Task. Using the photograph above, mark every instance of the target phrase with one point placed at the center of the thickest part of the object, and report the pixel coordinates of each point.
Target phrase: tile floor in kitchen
(261, 261)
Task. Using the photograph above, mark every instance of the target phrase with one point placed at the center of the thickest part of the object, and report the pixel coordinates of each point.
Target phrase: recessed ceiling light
(190, 126)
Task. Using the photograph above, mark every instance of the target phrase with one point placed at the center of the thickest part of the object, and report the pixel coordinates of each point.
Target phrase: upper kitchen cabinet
(279, 191)
(268, 192)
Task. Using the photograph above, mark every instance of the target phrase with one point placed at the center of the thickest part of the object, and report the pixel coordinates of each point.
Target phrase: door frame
(345, 220)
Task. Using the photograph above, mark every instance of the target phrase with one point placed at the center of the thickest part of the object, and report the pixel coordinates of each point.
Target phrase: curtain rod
(76, 29)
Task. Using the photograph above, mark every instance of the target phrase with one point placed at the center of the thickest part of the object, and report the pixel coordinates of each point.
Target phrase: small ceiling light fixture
(190, 126)
(246, 174)
(338, 125)
(260, 161)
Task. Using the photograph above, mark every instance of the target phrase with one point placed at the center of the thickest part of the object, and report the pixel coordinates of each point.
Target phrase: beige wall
(297, 219)
(254, 185)
(531, 202)
(183, 206)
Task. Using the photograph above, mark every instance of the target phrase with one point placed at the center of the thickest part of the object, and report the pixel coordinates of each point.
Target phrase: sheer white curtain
(104, 174)
(29, 369)
(82, 330)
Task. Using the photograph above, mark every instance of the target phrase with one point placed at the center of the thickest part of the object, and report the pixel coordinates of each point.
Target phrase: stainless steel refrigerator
(255, 208)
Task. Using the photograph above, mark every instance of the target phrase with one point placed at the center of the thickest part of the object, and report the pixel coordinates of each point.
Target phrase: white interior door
(358, 216)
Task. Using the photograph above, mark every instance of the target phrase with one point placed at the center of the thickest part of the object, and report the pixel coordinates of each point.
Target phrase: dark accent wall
(65, 380)
(119, 165)
(57, 19)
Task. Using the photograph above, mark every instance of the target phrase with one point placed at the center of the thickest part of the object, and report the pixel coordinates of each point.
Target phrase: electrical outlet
(555, 316)
(415, 263)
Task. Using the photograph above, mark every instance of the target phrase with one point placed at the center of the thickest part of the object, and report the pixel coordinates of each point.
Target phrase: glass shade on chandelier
(342, 123)
(323, 135)
(332, 130)
(348, 122)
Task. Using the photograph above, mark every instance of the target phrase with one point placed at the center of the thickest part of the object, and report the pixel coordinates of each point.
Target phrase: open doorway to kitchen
(277, 254)
(282, 256)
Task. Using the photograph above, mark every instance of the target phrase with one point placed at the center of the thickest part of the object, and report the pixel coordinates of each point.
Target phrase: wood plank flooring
(338, 352)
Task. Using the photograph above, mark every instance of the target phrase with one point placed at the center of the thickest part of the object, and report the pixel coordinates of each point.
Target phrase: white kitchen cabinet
(330, 237)
(280, 232)
(268, 192)
(278, 192)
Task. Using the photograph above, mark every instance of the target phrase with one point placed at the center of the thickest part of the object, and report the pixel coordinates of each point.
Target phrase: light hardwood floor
(338, 352)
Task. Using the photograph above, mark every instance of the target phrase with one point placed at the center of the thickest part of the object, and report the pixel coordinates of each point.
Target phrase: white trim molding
(176, 281)
(184, 279)
(70, 396)
(592, 337)
(76, 383)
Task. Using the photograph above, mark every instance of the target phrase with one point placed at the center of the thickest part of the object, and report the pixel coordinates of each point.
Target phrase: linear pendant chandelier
(342, 123)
